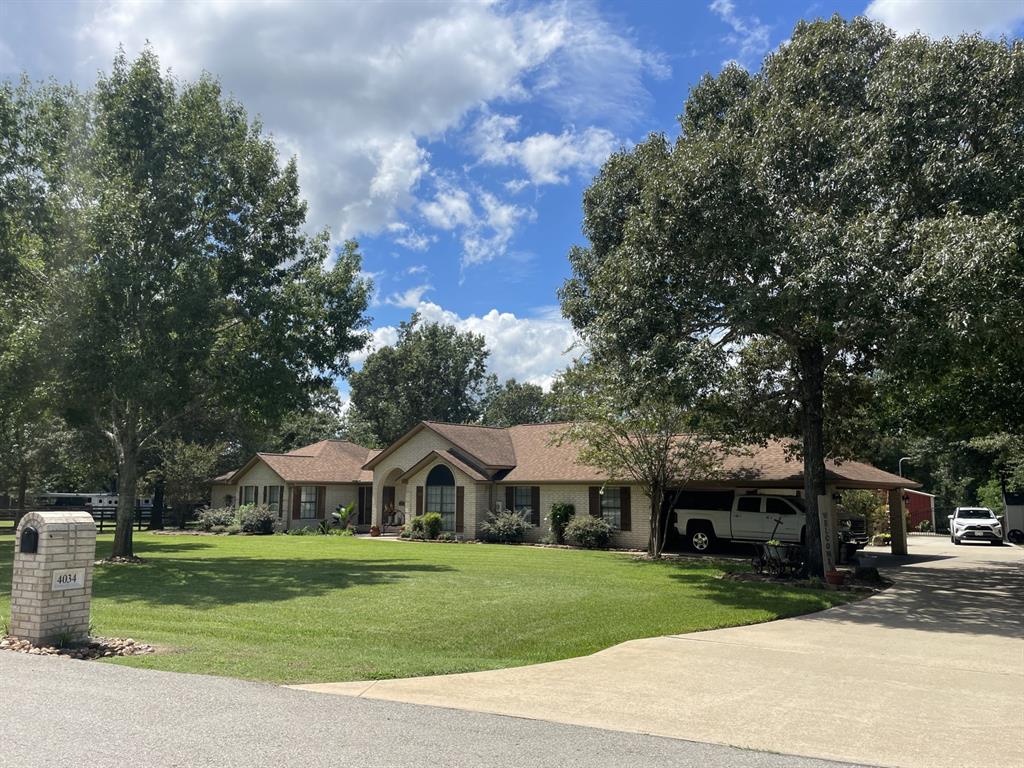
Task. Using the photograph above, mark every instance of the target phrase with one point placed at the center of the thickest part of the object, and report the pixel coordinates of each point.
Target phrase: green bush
(506, 527)
(447, 536)
(414, 525)
(219, 517)
(589, 532)
(925, 526)
(256, 519)
(432, 525)
(558, 518)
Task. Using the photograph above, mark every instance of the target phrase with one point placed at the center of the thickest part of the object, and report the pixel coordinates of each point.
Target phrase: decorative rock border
(94, 648)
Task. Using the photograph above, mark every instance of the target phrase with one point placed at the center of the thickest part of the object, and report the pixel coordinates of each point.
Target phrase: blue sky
(454, 141)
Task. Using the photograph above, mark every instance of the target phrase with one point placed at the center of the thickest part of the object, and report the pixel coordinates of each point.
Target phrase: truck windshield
(975, 514)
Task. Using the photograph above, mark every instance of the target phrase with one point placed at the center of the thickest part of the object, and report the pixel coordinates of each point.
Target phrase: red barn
(920, 507)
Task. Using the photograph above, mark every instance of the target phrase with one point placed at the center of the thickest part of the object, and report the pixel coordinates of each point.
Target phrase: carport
(772, 469)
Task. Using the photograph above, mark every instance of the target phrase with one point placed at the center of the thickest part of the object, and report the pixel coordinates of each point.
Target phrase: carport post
(897, 522)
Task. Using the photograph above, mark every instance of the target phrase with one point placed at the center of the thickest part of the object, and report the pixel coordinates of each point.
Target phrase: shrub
(343, 514)
(219, 517)
(925, 526)
(341, 532)
(589, 532)
(234, 529)
(447, 536)
(558, 518)
(506, 527)
(414, 525)
(256, 519)
(432, 525)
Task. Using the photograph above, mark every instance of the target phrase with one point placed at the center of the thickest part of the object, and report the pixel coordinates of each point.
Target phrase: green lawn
(292, 609)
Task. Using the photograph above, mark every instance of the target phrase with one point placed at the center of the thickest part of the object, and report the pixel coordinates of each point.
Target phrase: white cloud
(354, 90)
(529, 349)
(949, 18)
(546, 158)
(384, 336)
(408, 237)
(749, 35)
(409, 298)
(416, 269)
(449, 209)
(485, 229)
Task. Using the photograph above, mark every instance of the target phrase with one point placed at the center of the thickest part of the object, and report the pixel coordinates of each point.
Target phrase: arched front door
(441, 495)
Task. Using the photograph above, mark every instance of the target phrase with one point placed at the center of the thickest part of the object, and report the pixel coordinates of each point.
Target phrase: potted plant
(834, 578)
(776, 548)
(375, 530)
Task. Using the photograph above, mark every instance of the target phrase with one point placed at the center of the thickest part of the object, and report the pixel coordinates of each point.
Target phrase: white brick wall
(403, 459)
(579, 497)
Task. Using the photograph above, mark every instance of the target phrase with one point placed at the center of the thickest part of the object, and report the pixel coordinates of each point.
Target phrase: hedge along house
(466, 472)
(302, 487)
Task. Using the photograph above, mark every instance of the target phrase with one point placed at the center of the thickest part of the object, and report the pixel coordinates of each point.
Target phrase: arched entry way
(393, 513)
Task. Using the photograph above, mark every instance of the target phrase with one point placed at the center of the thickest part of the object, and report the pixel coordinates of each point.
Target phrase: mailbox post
(51, 587)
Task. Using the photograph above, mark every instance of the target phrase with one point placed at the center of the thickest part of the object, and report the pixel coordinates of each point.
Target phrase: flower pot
(835, 578)
(375, 530)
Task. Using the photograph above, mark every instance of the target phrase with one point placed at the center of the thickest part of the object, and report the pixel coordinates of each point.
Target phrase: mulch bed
(93, 648)
(851, 584)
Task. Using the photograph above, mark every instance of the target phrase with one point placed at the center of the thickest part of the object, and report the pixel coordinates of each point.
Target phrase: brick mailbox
(52, 583)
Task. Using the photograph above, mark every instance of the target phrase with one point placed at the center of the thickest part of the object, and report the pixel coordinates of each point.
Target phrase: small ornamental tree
(638, 432)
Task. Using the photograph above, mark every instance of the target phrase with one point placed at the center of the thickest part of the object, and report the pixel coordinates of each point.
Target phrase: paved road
(929, 674)
(59, 713)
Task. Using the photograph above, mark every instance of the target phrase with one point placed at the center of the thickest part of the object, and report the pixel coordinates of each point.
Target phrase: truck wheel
(701, 538)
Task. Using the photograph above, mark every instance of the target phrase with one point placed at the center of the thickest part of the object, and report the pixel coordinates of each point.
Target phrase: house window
(441, 495)
(248, 494)
(523, 500)
(273, 496)
(307, 502)
(611, 507)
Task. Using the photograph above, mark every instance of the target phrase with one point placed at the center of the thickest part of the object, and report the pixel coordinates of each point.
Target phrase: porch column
(377, 515)
(897, 522)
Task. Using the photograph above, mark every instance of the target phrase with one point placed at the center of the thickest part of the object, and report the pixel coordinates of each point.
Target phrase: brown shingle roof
(328, 461)
(491, 446)
(537, 460)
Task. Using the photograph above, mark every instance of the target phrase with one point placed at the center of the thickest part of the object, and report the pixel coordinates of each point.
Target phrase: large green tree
(513, 402)
(856, 204)
(194, 287)
(432, 372)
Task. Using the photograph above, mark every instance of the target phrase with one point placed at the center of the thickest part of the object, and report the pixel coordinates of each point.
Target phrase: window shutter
(460, 508)
(626, 511)
(535, 505)
(595, 501)
(321, 501)
(296, 498)
(419, 499)
(510, 498)
(264, 494)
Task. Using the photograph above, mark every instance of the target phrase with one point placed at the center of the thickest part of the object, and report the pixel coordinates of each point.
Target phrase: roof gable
(327, 461)
(488, 447)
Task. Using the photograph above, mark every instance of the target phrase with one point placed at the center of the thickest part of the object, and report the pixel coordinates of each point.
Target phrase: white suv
(975, 524)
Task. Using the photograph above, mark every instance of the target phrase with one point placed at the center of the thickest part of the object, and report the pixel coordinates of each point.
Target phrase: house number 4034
(72, 579)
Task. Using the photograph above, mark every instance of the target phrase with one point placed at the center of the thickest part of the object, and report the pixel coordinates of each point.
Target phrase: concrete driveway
(928, 674)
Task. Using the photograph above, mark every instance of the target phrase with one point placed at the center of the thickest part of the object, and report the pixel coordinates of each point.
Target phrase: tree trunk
(22, 493)
(127, 486)
(156, 516)
(812, 418)
(654, 541)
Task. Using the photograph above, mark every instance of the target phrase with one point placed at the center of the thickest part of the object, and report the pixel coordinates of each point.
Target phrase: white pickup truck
(704, 517)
